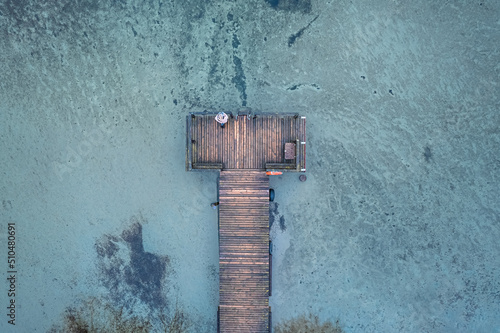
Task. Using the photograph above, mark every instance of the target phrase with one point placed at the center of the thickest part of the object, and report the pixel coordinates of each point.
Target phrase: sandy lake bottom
(396, 229)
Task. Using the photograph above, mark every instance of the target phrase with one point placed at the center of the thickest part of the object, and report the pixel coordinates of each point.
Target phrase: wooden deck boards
(244, 251)
(243, 143)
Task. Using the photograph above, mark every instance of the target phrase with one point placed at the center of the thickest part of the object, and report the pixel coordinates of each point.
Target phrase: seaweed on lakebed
(309, 324)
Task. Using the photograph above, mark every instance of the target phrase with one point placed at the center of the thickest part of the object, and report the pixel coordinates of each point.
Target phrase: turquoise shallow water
(395, 229)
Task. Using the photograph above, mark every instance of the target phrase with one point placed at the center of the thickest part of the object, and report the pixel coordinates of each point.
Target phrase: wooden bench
(291, 153)
(215, 166)
(281, 166)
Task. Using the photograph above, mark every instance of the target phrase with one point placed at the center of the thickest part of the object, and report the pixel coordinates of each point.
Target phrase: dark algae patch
(293, 38)
(301, 6)
(274, 215)
(128, 271)
(136, 283)
(298, 86)
(236, 41)
(427, 154)
(273, 3)
(282, 223)
(239, 80)
(146, 271)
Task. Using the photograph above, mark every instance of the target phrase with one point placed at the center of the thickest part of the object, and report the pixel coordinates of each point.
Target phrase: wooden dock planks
(243, 251)
(244, 142)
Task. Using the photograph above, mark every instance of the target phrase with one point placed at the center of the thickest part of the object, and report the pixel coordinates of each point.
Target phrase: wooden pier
(243, 150)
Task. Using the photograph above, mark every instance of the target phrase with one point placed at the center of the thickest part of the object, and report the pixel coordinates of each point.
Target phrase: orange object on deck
(274, 173)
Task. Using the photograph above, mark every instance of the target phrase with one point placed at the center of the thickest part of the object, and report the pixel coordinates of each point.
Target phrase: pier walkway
(244, 251)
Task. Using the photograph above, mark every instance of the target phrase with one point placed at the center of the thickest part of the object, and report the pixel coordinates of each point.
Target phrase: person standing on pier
(221, 118)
